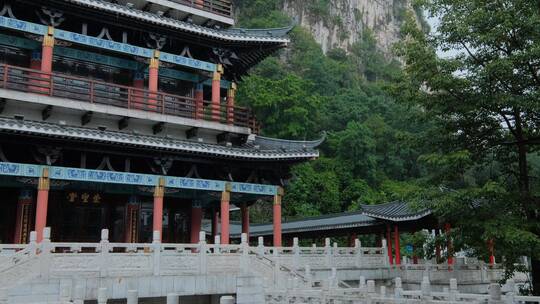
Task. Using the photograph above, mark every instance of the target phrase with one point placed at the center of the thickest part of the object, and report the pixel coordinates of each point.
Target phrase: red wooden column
(23, 221)
(132, 220)
(231, 95)
(45, 63)
(35, 61)
(137, 95)
(216, 93)
(397, 245)
(225, 202)
(153, 78)
(47, 51)
(491, 249)
(199, 101)
(449, 245)
(199, 3)
(42, 203)
(277, 217)
(245, 219)
(196, 220)
(352, 239)
(138, 80)
(159, 193)
(215, 223)
(389, 244)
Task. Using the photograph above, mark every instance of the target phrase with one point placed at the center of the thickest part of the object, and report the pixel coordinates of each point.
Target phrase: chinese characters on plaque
(83, 198)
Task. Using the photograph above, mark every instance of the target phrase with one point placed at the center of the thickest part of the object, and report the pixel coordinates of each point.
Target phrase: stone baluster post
(104, 252)
(132, 297)
(79, 296)
(65, 291)
(277, 268)
(453, 292)
(511, 284)
(32, 246)
(309, 276)
(358, 253)
(495, 296)
(156, 251)
(172, 298)
(370, 291)
(217, 244)
(385, 259)
(203, 255)
(45, 256)
(328, 252)
(425, 287)
(362, 284)
(333, 281)
(244, 258)
(102, 295)
(260, 247)
(383, 291)
(398, 288)
(296, 254)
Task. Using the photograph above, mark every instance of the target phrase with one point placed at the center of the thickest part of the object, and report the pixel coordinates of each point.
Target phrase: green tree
(485, 94)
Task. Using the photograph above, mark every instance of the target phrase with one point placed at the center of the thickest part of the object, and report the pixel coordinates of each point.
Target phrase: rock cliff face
(340, 23)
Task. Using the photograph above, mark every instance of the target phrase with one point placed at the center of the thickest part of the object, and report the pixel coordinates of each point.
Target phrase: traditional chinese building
(121, 114)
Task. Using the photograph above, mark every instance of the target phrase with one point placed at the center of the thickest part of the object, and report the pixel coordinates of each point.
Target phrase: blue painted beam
(111, 177)
(109, 45)
(25, 43)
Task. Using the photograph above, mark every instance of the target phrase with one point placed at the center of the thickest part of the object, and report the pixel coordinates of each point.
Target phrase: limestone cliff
(340, 23)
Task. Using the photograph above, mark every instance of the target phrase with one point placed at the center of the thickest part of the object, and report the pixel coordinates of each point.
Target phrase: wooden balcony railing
(220, 7)
(85, 90)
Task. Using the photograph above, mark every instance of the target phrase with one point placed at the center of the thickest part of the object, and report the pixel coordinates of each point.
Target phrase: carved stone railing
(367, 293)
(286, 271)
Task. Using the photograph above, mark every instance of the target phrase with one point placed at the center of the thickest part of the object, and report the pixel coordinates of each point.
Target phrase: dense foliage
(369, 155)
(484, 96)
(458, 134)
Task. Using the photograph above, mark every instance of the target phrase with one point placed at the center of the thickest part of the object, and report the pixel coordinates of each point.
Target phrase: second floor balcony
(123, 97)
(199, 12)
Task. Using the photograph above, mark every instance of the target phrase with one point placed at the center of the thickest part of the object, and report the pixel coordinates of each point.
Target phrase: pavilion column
(225, 202)
(352, 239)
(215, 223)
(277, 217)
(449, 245)
(196, 220)
(137, 95)
(47, 51)
(491, 249)
(199, 3)
(159, 193)
(138, 80)
(42, 203)
(132, 220)
(35, 60)
(389, 244)
(199, 101)
(23, 221)
(216, 93)
(245, 219)
(397, 245)
(231, 95)
(153, 79)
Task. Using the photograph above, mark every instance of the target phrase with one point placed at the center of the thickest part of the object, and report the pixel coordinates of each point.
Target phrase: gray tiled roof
(259, 148)
(369, 215)
(231, 35)
(394, 211)
(320, 223)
